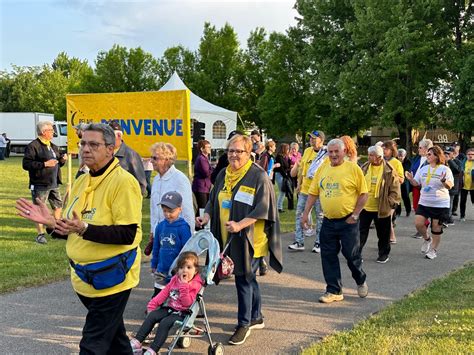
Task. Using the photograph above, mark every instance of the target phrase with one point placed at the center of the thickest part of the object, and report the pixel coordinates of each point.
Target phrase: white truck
(20, 128)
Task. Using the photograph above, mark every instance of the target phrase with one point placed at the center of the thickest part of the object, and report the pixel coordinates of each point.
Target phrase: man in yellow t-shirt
(313, 157)
(468, 187)
(101, 221)
(342, 190)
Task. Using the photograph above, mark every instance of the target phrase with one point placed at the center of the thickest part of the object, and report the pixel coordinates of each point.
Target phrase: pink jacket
(181, 294)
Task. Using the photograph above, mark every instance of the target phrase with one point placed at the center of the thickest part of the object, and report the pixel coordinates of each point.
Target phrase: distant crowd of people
(236, 200)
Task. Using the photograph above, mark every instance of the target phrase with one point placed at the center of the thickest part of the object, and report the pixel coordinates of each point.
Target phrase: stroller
(202, 242)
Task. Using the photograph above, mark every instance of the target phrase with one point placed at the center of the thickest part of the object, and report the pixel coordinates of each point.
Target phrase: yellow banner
(145, 117)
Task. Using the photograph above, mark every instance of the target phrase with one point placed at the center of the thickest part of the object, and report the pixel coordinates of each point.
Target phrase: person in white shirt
(435, 179)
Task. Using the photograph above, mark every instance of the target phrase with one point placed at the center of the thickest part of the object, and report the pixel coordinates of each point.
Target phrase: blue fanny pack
(107, 273)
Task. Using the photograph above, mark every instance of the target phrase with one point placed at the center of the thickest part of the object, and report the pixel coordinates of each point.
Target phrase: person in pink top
(180, 293)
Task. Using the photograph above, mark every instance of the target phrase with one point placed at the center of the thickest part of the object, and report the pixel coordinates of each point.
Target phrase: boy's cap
(449, 150)
(171, 200)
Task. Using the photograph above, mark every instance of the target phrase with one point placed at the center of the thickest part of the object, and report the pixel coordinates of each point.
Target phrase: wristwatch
(355, 217)
(84, 228)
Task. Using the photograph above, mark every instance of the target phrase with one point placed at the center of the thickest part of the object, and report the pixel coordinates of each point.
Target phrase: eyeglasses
(235, 151)
(48, 130)
(157, 158)
(92, 145)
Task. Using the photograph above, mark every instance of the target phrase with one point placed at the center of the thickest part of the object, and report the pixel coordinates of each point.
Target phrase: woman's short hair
(376, 149)
(41, 125)
(105, 129)
(425, 143)
(202, 143)
(270, 144)
(165, 151)
(294, 144)
(241, 138)
(438, 153)
(392, 146)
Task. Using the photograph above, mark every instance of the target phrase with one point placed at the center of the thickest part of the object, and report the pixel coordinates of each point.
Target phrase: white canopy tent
(219, 121)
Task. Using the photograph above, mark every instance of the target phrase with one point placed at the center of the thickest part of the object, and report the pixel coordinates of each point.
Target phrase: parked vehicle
(20, 128)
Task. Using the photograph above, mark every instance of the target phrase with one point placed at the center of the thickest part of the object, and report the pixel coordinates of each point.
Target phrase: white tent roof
(197, 104)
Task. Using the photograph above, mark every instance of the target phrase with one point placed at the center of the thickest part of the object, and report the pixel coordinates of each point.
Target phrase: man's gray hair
(376, 149)
(402, 152)
(337, 141)
(426, 143)
(41, 125)
(106, 130)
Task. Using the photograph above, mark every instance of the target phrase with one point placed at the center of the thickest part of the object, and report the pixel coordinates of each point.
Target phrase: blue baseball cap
(319, 134)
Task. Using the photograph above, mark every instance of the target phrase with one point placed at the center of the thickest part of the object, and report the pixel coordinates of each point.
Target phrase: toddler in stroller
(180, 302)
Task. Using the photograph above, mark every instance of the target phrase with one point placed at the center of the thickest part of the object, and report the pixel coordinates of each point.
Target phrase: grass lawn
(436, 320)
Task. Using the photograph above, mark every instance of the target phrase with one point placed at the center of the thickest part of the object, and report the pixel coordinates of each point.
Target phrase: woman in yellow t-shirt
(243, 212)
(468, 187)
(390, 153)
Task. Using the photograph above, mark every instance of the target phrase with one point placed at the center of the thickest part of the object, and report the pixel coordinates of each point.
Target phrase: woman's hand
(276, 165)
(304, 220)
(233, 227)
(409, 175)
(442, 177)
(37, 213)
(68, 226)
(202, 221)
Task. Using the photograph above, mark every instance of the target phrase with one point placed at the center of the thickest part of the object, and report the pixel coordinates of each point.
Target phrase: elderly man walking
(102, 226)
(342, 190)
(42, 161)
(383, 184)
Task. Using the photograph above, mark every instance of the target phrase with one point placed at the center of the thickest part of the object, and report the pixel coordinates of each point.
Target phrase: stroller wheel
(184, 342)
(216, 349)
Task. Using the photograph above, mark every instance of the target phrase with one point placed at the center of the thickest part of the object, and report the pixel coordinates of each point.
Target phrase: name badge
(245, 195)
(227, 204)
(427, 188)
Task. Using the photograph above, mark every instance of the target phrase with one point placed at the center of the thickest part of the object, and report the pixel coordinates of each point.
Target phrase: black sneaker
(240, 335)
(382, 259)
(257, 324)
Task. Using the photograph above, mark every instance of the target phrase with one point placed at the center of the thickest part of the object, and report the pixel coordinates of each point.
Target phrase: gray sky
(33, 32)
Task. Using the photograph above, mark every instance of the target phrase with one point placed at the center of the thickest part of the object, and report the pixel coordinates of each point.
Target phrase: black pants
(382, 226)
(148, 182)
(201, 200)
(464, 194)
(166, 318)
(406, 199)
(104, 331)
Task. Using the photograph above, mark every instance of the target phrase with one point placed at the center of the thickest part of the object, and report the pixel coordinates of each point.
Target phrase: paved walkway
(49, 319)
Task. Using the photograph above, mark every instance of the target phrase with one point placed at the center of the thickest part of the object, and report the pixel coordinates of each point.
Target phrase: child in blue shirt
(170, 236)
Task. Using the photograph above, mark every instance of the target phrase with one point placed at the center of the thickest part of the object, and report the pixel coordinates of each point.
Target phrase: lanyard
(428, 176)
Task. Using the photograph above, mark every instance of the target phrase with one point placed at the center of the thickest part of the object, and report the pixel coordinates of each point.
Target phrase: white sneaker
(316, 248)
(431, 254)
(296, 246)
(425, 247)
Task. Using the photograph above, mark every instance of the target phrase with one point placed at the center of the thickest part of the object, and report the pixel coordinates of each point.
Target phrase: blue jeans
(337, 235)
(299, 236)
(281, 194)
(248, 296)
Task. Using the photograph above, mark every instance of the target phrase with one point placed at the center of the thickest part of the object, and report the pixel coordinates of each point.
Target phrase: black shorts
(439, 213)
(52, 195)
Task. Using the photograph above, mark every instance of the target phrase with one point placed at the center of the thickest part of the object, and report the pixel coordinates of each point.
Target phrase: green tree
(219, 57)
(251, 77)
(178, 59)
(284, 107)
(123, 70)
(377, 62)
